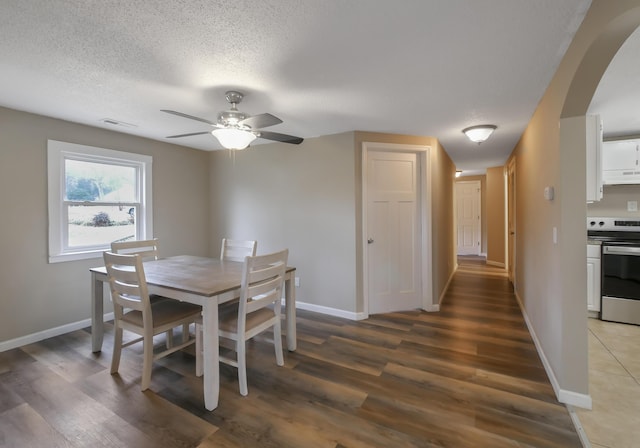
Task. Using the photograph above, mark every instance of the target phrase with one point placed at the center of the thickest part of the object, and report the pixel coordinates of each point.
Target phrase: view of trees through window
(101, 201)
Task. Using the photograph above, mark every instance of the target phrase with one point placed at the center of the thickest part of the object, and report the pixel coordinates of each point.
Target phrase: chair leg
(169, 339)
(199, 350)
(117, 349)
(277, 343)
(242, 366)
(147, 347)
(185, 333)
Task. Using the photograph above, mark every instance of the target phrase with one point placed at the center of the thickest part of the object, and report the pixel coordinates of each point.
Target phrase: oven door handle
(621, 250)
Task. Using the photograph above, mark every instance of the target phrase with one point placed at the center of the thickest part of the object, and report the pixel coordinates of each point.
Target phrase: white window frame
(57, 152)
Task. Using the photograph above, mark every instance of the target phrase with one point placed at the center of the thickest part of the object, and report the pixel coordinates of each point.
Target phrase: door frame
(424, 212)
(510, 217)
(479, 222)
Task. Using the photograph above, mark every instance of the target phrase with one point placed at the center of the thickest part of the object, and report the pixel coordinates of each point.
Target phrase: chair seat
(228, 317)
(164, 312)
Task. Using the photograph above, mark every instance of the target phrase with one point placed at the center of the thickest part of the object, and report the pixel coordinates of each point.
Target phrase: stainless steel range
(620, 281)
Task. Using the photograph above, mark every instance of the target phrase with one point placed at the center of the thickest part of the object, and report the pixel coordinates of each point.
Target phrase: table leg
(211, 355)
(97, 313)
(290, 311)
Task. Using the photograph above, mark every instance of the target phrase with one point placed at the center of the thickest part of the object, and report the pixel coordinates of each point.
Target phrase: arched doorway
(609, 29)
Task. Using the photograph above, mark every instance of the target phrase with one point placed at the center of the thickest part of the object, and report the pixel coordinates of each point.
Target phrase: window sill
(74, 256)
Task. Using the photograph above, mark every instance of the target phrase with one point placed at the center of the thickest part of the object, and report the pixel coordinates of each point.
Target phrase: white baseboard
(579, 428)
(496, 264)
(329, 311)
(564, 396)
(49, 333)
(57, 331)
(446, 287)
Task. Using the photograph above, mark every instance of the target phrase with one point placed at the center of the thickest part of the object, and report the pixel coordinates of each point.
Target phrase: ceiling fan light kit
(231, 138)
(479, 133)
(235, 129)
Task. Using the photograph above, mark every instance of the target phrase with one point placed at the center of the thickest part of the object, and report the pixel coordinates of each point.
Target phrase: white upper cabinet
(620, 162)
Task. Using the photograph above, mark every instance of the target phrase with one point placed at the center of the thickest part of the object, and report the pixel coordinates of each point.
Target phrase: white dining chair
(148, 250)
(258, 309)
(134, 312)
(236, 250)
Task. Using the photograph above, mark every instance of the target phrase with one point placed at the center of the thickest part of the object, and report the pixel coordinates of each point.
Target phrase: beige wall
(37, 296)
(495, 216)
(551, 278)
(296, 197)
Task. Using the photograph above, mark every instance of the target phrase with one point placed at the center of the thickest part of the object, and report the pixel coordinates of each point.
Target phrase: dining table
(203, 281)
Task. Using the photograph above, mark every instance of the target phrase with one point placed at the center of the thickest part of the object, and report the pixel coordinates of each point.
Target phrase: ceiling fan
(235, 129)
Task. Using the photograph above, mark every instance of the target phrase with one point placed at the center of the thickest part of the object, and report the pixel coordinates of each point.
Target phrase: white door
(468, 217)
(394, 281)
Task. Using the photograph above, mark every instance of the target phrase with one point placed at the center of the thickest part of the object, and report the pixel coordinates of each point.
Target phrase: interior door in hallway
(468, 217)
(393, 256)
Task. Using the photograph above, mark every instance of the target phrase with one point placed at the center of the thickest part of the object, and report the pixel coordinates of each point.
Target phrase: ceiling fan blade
(261, 121)
(280, 137)
(188, 135)
(190, 117)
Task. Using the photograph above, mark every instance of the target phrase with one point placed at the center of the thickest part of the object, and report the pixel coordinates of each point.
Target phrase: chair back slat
(127, 281)
(262, 282)
(147, 249)
(237, 250)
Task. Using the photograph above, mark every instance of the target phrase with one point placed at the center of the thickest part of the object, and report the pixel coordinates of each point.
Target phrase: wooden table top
(196, 275)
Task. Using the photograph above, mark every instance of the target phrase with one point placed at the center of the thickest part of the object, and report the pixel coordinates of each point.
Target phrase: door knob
(370, 241)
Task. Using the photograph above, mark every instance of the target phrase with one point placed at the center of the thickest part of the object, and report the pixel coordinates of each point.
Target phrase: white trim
(495, 263)
(424, 158)
(446, 287)
(49, 333)
(329, 311)
(56, 153)
(564, 396)
(579, 429)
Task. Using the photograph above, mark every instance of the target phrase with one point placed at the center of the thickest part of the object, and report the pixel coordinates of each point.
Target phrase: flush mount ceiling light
(458, 173)
(233, 138)
(479, 133)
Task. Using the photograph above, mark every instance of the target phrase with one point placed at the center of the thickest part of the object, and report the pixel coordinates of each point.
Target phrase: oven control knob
(592, 223)
(601, 223)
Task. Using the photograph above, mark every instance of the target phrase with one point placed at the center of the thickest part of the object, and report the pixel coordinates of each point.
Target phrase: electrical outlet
(297, 282)
(632, 206)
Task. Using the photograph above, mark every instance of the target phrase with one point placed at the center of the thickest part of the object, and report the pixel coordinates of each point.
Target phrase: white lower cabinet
(593, 277)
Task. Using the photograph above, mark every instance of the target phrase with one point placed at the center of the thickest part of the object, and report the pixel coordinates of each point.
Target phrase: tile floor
(614, 384)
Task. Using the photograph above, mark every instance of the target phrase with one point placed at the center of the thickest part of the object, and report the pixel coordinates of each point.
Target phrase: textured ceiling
(416, 67)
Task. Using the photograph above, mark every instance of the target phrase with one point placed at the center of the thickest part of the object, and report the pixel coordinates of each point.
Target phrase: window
(96, 196)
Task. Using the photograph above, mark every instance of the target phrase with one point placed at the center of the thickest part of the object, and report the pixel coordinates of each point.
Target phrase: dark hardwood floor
(468, 376)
